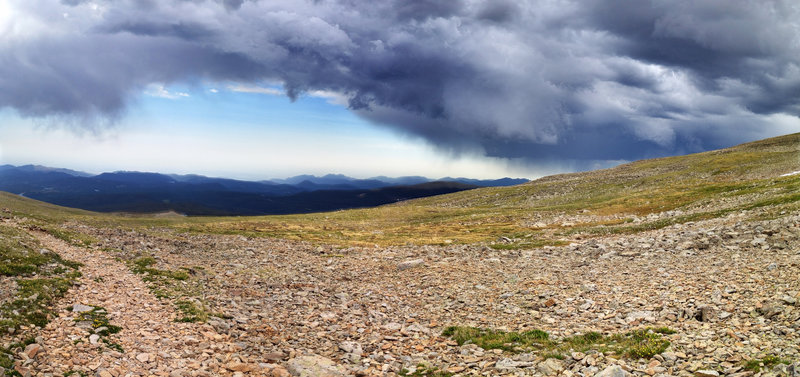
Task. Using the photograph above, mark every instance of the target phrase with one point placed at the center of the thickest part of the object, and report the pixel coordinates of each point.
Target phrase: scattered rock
(456, 369)
(613, 371)
(550, 367)
(640, 316)
(283, 299)
(279, 372)
(393, 326)
(506, 364)
(351, 347)
(239, 367)
(274, 356)
(32, 349)
(409, 264)
(80, 308)
(706, 373)
(314, 366)
(771, 309)
(415, 327)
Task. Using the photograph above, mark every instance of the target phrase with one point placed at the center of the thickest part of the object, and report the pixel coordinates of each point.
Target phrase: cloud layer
(582, 80)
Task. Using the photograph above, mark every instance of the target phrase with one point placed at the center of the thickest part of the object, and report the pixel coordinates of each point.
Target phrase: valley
(680, 266)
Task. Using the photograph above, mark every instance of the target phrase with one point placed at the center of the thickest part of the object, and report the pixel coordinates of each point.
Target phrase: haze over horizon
(288, 179)
(474, 88)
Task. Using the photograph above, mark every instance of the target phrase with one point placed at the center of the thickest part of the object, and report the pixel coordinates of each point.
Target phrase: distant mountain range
(339, 181)
(199, 195)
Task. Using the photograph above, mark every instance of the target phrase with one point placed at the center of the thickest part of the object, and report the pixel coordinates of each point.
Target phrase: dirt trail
(151, 342)
(727, 287)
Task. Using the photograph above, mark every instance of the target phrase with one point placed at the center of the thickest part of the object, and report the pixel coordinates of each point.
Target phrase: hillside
(209, 200)
(679, 266)
(196, 195)
(629, 198)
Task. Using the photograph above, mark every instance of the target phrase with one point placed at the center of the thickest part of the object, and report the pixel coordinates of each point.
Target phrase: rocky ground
(729, 287)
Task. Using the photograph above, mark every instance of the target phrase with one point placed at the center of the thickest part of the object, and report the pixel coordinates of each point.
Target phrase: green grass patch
(114, 346)
(173, 284)
(100, 324)
(507, 246)
(39, 276)
(584, 341)
(143, 266)
(72, 238)
(776, 201)
(496, 339)
(767, 362)
(663, 330)
(663, 223)
(99, 320)
(32, 305)
(641, 343)
(553, 355)
(190, 311)
(21, 254)
(527, 244)
(142, 263)
(6, 359)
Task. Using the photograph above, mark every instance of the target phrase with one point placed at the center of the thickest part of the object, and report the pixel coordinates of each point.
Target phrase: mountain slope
(619, 289)
(140, 192)
(39, 168)
(638, 196)
(229, 203)
(630, 198)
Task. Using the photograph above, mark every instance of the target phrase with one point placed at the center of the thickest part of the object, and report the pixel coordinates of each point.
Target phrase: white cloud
(332, 98)
(158, 90)
(255, 89)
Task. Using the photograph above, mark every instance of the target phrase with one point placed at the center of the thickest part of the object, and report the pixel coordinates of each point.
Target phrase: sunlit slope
(17, 205)
(629, 198)
(557, 208)
(649, 185)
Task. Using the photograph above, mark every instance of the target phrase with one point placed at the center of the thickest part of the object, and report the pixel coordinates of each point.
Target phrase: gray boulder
(613, 371)
(409, 264)
(314, 366)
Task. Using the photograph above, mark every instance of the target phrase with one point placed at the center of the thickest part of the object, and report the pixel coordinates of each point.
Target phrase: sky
(258, 89)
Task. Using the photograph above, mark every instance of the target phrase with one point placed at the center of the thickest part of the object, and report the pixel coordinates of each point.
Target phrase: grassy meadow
(548, 211)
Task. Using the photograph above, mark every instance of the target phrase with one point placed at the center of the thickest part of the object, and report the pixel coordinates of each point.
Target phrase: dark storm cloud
(232, 4)
(95, 77)
(425, 9)
(191, 31)
(498, 11)
(580, 80)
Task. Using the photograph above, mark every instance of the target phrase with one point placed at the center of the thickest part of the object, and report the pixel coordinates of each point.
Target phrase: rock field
(728, 287)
